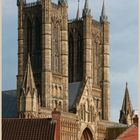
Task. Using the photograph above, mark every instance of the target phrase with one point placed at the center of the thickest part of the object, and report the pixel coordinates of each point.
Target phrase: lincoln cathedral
(63, 72)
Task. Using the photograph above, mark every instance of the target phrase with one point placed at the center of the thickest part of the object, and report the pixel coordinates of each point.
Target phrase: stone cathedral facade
(63, 68)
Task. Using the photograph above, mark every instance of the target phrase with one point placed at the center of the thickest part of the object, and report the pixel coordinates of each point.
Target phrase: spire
(126, 109)
(103, 17)
(28, 98)
(86, 10)
(126, 101)
(77, 16)
(28, 81)
(86, 4)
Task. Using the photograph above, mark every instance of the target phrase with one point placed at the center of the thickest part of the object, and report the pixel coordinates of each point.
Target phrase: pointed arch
(87, 135)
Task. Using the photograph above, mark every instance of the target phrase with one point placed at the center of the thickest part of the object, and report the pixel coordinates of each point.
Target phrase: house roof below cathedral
(23, 129)
(130, 134)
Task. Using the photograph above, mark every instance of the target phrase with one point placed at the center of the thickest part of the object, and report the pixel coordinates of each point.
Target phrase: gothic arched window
(56, 48)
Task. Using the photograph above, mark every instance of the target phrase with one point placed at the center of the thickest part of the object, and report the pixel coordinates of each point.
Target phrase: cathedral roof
(31, 129)
(74, 89)
(9, 106)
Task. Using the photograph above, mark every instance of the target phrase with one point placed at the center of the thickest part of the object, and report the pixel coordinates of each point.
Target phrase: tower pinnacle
(28, 96)
(126, 84)
(86, 10)
(77, 16)
(21, 2)
(103, 17)
(28, 81)
(62, 2)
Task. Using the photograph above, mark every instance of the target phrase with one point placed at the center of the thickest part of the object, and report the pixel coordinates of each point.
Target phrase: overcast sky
(122, 15)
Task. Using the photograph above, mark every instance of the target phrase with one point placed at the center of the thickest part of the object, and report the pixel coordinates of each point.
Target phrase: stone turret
(28, 95)
(55, 54)
(127, 112)
(87, 42)
(105, 84)
(20, 4)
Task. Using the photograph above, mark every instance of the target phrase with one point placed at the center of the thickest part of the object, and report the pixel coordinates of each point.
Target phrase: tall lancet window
(96, 60)
(29, 36)
(38, 34)
(56, 48)
(71, 57)
(38, 43)
(79, 57)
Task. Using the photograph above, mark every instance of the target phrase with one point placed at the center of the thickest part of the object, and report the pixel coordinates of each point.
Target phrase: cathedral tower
(89, 57)
(42, 33)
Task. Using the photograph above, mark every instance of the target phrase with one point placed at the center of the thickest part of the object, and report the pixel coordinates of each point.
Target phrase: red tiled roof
(130, 134)
(28, 129)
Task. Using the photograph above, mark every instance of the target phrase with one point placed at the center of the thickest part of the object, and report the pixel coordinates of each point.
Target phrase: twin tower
(54, 52)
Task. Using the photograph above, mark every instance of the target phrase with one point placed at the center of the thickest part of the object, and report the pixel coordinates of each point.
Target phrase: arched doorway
(87, 135)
